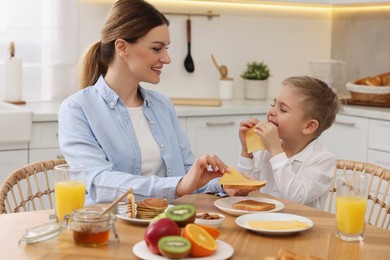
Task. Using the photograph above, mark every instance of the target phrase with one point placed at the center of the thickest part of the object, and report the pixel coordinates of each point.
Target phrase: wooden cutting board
(214, 102)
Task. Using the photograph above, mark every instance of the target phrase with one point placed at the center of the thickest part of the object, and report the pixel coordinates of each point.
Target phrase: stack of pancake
(146, 209)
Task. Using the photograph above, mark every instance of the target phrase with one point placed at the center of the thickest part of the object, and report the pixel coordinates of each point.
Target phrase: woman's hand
(244, 127)
(202, 171)
(239, 192)
(236, 190)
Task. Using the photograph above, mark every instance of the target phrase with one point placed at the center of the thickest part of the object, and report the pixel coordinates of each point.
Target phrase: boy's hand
(244, 127)
(270, 137)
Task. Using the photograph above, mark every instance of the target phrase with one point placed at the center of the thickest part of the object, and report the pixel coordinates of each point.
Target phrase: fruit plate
(225, 204)
(137, 221)
(241, 221)
(224, 251)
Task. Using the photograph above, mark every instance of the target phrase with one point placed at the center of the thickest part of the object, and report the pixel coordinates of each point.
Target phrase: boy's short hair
(318, 100)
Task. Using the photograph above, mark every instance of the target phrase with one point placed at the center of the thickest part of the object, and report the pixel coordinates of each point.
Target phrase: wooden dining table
(319, 241)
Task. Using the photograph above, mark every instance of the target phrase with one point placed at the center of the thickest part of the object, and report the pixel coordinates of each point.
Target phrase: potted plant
(255, 78)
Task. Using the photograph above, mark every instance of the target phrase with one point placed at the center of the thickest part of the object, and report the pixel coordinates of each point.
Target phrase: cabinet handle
(345, 123)
(211, 124)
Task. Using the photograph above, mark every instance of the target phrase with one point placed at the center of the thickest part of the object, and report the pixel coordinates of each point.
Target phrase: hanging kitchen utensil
(188, 62)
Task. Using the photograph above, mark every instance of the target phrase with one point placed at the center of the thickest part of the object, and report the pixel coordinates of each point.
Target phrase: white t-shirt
(304, 178)
(152, 162)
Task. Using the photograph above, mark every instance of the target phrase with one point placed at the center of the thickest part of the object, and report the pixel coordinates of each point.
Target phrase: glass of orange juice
(69, 188)
(351, 204)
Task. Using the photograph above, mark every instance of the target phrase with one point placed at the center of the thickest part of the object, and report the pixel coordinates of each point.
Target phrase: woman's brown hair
(128, 20)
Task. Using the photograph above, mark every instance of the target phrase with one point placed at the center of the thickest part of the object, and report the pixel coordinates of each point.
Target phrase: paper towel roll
(13, 79)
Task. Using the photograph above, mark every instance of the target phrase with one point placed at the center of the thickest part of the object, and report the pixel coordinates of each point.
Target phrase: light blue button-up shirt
(95, 130)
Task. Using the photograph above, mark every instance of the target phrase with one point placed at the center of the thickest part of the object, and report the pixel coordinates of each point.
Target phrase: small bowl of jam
(91, 228)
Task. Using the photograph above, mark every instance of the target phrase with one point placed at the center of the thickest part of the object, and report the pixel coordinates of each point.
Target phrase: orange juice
(69, 195)
(350, 214)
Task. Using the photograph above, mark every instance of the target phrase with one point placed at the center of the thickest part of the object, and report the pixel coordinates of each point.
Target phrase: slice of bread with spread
(253, 205)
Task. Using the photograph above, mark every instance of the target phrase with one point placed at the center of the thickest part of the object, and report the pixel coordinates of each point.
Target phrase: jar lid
(90, 215)
(41, 232)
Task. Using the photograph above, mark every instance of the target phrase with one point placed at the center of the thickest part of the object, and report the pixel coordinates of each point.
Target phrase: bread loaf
(378, 80)
(285, 254)
(253, 205)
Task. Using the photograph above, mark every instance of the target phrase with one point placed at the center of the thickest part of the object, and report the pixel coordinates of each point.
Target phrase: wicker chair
(378, 206)
(29, 187)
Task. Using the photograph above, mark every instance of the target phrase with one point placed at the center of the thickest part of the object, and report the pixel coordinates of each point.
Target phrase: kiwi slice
(182, 214)
(159, 216)
(174, 247)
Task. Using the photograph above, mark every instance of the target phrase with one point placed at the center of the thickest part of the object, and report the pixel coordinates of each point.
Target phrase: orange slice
(202, 243)
(214, 232)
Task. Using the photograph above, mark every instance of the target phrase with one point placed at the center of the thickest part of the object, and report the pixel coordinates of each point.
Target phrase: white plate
(273, 217)
(224, 251)
(137, 221)
(225, 204)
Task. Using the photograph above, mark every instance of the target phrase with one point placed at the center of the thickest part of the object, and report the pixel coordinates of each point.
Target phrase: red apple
(158, 229)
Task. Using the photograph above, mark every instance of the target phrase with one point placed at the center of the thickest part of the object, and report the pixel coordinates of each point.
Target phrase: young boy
(295, 165)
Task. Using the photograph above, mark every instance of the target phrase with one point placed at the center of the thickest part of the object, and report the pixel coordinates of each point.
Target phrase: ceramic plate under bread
(242, 222)
(226, 205)
(137, 221)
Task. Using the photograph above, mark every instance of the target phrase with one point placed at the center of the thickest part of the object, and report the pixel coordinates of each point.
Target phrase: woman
(125, 135)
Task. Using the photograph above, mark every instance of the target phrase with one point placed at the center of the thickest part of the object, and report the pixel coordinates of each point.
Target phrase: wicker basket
(372, 94)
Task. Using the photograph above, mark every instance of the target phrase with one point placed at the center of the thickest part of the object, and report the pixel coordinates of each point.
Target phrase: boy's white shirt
(304, 178)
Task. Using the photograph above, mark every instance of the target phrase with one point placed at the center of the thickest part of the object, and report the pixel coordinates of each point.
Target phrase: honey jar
(91, 227)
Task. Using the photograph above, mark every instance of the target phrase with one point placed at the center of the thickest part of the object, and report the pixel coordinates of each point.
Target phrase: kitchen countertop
(48, 111)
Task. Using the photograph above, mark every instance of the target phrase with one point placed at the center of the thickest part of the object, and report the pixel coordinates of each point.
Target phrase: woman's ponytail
(91, 67)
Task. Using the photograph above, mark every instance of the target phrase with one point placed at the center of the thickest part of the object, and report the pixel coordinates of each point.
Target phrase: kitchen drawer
(11, 161)
(347, 138)
(379, 158)
(216, 135)
(378, 135)
(262, 117)
(44, 135)
(36, 155)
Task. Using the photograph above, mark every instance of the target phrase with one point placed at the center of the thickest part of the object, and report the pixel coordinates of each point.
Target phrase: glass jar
(41, 232)
(90, 227)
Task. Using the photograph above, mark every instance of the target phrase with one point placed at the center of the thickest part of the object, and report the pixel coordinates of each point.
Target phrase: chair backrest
(378, 206)
(29, 188)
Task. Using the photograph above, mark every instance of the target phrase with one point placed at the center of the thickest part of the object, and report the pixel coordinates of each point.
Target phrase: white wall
(286, 39)
(361, 38)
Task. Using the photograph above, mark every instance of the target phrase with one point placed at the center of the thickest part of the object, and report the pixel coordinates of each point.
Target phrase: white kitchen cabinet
(379, 135)
(44, 143)
(261, 117)
(36, 155)
(44, 135)
(379, 158)
(216, 135)
(347, 138)
(10, 161)
(182, 121)
(379, 150)
(379, 143)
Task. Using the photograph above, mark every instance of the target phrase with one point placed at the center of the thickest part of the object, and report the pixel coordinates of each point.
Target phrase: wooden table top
(319, 241)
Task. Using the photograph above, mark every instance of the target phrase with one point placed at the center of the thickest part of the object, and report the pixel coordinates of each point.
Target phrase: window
(45, 34)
